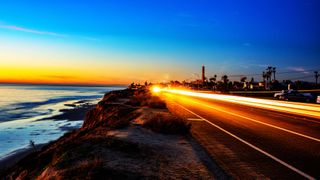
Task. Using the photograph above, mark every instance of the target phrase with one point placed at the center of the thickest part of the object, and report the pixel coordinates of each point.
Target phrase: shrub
(89, 167)
(156, 102)
(33, 146)
(167, 124)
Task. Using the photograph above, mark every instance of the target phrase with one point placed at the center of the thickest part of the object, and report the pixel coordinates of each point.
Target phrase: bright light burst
(156, 89)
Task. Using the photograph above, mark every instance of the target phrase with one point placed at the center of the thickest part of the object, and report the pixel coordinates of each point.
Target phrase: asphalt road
(253, 142)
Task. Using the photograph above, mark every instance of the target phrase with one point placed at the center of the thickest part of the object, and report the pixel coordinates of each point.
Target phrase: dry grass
(94, 167)
(167, 124)
(95, 162)
(114, 95)
(145, 98)
(82, 163)
(156, 102)
(112, 116)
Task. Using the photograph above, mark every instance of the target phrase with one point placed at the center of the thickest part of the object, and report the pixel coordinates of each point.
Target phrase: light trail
(257, 121)
(310, 110)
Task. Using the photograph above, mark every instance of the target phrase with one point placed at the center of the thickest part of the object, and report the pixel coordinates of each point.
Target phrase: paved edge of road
(251, 145)
(217, 171)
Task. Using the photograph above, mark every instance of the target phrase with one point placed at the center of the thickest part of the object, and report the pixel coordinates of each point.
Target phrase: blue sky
(174, 37)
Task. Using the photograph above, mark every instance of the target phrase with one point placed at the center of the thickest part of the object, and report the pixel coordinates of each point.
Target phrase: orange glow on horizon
(87, 75)
(41, 62)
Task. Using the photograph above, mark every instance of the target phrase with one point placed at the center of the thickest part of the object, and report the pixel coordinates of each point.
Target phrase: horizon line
(61, 84)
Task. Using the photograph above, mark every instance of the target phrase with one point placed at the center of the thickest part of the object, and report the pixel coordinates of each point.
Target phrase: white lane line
(194, 119)
(256, 121)
(301, 118)
(252, 146)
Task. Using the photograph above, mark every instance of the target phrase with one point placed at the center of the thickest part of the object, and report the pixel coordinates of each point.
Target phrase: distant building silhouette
(203, 74)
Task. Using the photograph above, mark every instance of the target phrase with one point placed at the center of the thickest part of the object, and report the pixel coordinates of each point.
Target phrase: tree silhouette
(252, 80)
(243, 80)
(225, 81)
(268, 75)
(33, 145)
(213, 81)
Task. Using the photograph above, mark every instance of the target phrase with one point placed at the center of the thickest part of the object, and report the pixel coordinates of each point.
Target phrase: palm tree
(269, 72)
(243, 79)
(213, 81)
(225, 81)
(224, 78)
(268, 75)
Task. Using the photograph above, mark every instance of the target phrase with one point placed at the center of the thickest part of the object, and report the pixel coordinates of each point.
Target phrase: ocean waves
(25, 110)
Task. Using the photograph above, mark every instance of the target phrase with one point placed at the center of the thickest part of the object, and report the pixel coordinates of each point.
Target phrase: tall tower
(203, 74)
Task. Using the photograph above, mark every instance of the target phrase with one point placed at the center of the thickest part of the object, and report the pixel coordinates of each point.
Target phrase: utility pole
(203, 74)
(274, 73)
(316, 75)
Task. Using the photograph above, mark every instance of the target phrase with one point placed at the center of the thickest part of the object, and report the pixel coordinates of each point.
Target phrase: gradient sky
(120, 41)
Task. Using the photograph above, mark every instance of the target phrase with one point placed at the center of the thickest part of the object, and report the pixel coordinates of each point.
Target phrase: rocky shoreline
(129, 134)
(75, 113)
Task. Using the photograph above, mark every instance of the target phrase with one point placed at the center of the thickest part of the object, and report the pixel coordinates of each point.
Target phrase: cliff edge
(130, 134)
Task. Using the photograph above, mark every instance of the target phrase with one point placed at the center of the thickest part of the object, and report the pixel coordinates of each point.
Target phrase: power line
(284, 72)
(302, 77)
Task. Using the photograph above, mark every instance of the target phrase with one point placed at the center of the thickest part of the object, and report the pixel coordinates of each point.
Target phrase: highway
(253, 138)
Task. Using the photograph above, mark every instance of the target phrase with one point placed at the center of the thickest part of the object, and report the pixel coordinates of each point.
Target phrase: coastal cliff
(129, 134)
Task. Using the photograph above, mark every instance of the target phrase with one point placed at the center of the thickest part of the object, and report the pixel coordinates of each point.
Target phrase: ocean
(25, 112)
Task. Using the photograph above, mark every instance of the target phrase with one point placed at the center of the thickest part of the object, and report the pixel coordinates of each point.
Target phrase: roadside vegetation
(145, 98)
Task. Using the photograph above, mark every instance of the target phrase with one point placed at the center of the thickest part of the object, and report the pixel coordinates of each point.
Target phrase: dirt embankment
(130, 134)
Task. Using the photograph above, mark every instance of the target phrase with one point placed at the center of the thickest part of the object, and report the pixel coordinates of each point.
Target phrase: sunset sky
(121, 41)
